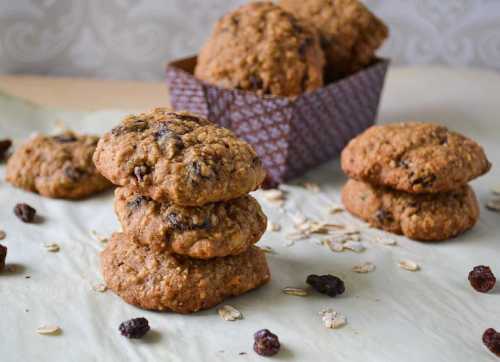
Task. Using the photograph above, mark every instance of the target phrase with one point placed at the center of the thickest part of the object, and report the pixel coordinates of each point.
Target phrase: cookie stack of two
(189, 225)
(411, 179)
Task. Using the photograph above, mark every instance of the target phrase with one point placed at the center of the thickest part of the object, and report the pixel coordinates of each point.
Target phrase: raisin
(4, 147)
(256, 82)
(269, 183)
(73, 173)
(3, 255)
(383, 216)
(194, 169)
(176, 222)
(165, 135)
(137, 202)
(25, 212)
(491, 339)
(326, 284)
(65, 138)
(134, 328)
(481, 278)
(266, 343)
(140, 172)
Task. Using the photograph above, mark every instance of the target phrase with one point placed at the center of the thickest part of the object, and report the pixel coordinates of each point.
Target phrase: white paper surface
(393, 314)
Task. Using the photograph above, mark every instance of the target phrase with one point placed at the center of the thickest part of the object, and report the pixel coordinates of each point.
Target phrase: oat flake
(333, 245)
(355, 246)
(99, 287)
(335, 209)
(386, 241)
(274, 195)
(311, 186)
(332, 319)
(299, 292)
(3, 235)
(493, 205)
(97, 237)
(274, 227)
(48, 330)
(409, 265)
(52, 247)
(496, 190)
(229, 313)
(364, 268)
(267, 249)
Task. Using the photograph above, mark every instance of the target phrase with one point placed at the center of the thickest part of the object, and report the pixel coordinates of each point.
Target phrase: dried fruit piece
(266, 343)
(25, 212)
(364, 268)
(491, 339)
(326, 284)
(2, 234)
(229, 313)
(48, 330)
(52, 247)
(409, 265)
(482, 279)
(332, 319)
(299, 292)
(3, 256)
(134, 328)
(4, 147)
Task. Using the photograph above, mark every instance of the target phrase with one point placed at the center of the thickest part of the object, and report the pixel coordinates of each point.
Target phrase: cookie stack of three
(189, 225)
(411, 179)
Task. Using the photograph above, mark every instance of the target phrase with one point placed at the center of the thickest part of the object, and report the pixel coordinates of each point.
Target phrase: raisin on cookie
(425, 217)
(414, 157)
(57, 166)
(163, 281)
(203, 232)
(350, 34)
(178, 157)
(262, 48)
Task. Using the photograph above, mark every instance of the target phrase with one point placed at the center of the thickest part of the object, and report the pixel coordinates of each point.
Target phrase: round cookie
(426, 217)
(163, 281)
(414, 157)
(178, 157)
(57, 166)
(213, 230)
(350, 33)
(262, 48)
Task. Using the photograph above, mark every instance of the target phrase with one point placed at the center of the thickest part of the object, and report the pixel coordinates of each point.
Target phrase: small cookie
(57, 166)
(163, 281)
(213, 230)
(350, 33)
(426, 217)
(178, 157)
(260, 47)
(414, 157)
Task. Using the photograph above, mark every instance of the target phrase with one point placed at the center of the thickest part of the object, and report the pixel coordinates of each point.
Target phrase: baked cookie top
(163, 281)
(178, 157)
(262, 48)
(57, 166)
(414, 157)
(213, 230)
(423, 217)
(350, 33)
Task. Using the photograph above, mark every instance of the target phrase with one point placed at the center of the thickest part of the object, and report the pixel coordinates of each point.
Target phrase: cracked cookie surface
(57, 166)
(426, 217)
(178, 157)
(213, 230)
(350, 33)
(262, 48)
(414, 157)
(163, 281)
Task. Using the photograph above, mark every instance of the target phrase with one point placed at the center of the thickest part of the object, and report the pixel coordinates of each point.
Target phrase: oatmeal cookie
(213, 230)
(57, 166)
(163, 281)
(426, 217)
(178, 157)
(414, 157)
(260, 47)
(350, 34)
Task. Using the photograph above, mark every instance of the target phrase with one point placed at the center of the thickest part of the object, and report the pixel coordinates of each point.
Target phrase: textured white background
(132, 39)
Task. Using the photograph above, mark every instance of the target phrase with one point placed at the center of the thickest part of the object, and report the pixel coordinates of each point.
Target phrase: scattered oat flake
(334, 246)
(299, 292)
(3, 235)
(493, 205)
(297, 236)
(335, 209)
(298, 218)
(274, 227)
(364, 268)
(99, 287)
(311, 186)
(267, 249)
(52, 247)
(229, 313)
(274, 195)
(99, 238)
(59, 126)
(496, 190)
(332, 319)
(355, 246)
(386, 241)
(48, 330)
(409, 265)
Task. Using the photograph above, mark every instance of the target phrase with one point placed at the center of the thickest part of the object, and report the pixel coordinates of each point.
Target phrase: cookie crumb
(409, 265)
(332, 319)
(299, 292)
(49, 330)
(229, 313)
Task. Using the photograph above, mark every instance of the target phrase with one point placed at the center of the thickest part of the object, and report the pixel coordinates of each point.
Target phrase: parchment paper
(393, 314)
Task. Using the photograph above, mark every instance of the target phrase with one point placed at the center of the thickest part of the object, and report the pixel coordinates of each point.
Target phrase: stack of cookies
(189, 225)
(411, 179)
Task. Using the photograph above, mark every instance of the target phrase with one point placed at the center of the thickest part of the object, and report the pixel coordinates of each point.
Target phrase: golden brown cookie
(426, 217)
(213, 230)
(163, 281)
(260, 47)
(178, 157)
(57, 166)
(414, 157)
(350, 33)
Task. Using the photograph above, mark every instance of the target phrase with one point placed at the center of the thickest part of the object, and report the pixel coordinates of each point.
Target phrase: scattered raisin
(481, 278)
(269, 183)
(326, 284)
(25, 212)
(134, 328)
(73, 173)
(65, 138)
(4, 147)
(383, 216)
(140, 172)
(3, 255)
(266, 343)
(491, 339)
